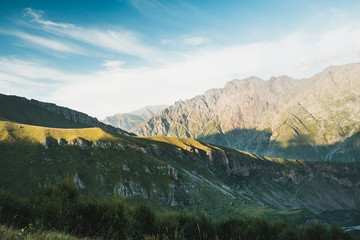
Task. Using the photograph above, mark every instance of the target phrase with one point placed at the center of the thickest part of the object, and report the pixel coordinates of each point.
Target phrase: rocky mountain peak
(280, 117)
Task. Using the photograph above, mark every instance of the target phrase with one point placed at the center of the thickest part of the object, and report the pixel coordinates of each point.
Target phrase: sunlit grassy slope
(16, 131)
(183, 143)
(189, 143)
(24, 132)
(10, 131)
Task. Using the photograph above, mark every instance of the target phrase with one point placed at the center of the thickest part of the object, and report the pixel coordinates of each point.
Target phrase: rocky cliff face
(282, 117)
(129, 121)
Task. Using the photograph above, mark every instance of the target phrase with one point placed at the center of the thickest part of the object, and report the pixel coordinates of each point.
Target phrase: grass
(183, 143)
(16, 131)
(10, 233)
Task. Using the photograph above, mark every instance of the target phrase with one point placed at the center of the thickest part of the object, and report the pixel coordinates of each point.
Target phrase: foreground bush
(60, 208)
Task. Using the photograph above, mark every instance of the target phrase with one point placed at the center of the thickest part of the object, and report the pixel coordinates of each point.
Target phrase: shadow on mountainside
(20, 110)
(300, 147)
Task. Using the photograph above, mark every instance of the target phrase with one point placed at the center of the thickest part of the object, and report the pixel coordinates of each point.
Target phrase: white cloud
(118, 41)
(46, 43)
(123, 42)
(34, 71)
(34, 79)
(113, 65)
(30, 79)
(167, 42)
(37, 17)
(194, 41)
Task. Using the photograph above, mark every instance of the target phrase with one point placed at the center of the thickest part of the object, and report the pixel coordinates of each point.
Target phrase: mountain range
(40, 146)
(315, 119)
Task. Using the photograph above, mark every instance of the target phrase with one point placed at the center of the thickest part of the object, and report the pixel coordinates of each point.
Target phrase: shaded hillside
(22, 110)
(314, 119)
(128, 121)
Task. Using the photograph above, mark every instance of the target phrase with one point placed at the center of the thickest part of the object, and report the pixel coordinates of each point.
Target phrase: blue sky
(106, 57)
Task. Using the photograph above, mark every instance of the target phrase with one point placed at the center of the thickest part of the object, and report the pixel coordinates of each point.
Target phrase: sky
(113, 56)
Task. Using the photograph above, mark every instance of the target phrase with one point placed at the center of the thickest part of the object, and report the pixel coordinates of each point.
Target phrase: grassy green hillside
(22, 132)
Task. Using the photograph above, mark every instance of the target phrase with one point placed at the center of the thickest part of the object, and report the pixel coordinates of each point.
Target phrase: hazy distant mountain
(317, 118)
(128, 121)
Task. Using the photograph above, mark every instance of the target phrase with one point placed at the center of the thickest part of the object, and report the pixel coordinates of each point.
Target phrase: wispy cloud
(194, 41)
(31, 79)
(119, 41)
(123, 42)
(34, 71)
(37, 17)
(46, 43)
(146, 4)
(35, 79)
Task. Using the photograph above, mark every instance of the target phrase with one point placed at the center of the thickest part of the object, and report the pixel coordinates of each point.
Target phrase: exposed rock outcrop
(81, 142)
(48, 142)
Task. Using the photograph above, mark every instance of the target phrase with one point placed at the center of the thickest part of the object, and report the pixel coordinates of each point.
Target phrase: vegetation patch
(63, 209)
